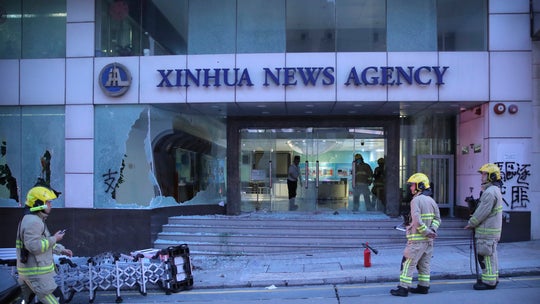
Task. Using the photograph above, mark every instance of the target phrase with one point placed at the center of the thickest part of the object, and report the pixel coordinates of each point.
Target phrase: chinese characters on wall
(515, 189)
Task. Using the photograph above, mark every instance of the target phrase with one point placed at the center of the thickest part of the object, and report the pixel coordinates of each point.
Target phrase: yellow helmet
(420, 179)
(38, 196)
(493, 171)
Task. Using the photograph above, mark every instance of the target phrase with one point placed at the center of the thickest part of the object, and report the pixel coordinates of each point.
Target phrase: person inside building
(486, 222)
(378, 183)
(35, 247)
(293, 177)
(362, 180)
(425, 219)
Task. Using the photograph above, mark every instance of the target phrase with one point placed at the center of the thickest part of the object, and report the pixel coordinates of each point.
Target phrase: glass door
(259, 169)
(323, 182)
(329, 177)
(339, 167)
(298, 143)
(330, 173)
(309, 169)
(367, 181)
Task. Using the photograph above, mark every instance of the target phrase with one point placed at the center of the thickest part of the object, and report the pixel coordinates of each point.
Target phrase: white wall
(535, 145)
(509, 138)
(471, 133)
(512, 138)
(78, 97)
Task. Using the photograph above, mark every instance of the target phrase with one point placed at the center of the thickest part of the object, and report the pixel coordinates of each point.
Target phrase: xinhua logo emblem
(114, 79)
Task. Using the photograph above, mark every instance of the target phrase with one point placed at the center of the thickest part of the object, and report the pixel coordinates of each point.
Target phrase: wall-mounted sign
(114, 79)
(303, 76)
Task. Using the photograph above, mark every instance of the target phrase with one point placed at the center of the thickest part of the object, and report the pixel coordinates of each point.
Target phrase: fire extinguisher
(367, 256)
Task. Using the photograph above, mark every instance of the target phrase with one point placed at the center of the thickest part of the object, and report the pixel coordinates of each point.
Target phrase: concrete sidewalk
(346, 267)
(339, 267)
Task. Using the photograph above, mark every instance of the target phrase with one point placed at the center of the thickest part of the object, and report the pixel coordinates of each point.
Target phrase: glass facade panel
(261, 26)
(167, 27)
(118, 31)
(412, 25)
(10, 29)
(462, 25)
(32, 29)
(164, 27)
(179, 154)
(29, 151)
(212, 27)
(311, 26)
(136, 27)
(361, 25)
(44, 29)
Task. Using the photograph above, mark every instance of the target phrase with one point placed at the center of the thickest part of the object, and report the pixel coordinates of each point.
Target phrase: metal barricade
(167, 269)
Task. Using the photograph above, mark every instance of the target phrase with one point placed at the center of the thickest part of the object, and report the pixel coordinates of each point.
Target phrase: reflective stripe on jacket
(487, 218)
(39, 243)
(425, 218)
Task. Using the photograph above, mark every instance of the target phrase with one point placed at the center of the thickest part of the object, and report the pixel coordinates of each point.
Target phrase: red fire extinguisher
(367, 256)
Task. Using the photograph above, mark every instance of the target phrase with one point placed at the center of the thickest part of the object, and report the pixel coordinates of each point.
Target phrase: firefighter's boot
(483, 286)
(400, 292)
(419, 289)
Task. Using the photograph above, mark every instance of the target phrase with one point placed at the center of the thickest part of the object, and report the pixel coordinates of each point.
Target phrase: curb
(504, 273)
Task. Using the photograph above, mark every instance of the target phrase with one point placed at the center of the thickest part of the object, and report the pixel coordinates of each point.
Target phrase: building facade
(147, 104)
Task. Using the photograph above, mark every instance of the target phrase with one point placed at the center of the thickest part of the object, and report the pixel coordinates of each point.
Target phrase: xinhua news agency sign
(303, 76)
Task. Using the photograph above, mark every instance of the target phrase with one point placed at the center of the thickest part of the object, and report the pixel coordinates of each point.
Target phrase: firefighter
(487, 224)
(362, 180)
(378, 183)
(35, 247)
(425, 219)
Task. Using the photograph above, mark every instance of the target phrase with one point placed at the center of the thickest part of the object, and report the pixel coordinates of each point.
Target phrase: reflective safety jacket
(425, 218)
(34, 235)
(487, 218)
(363, 173)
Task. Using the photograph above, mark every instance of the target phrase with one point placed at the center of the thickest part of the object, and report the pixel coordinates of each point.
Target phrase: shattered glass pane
(10, 151)
(148, 157)
(31, 152)
(113, 125)
(43, 148)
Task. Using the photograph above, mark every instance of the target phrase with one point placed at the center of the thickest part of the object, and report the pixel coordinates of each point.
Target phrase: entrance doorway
(327, 172)
(440, 170)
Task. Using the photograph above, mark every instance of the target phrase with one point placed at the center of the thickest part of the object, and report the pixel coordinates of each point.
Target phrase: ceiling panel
(309, 108)
(320, 108)
(449, 108)
(402, 108)
(356, 108)
(260, 109)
